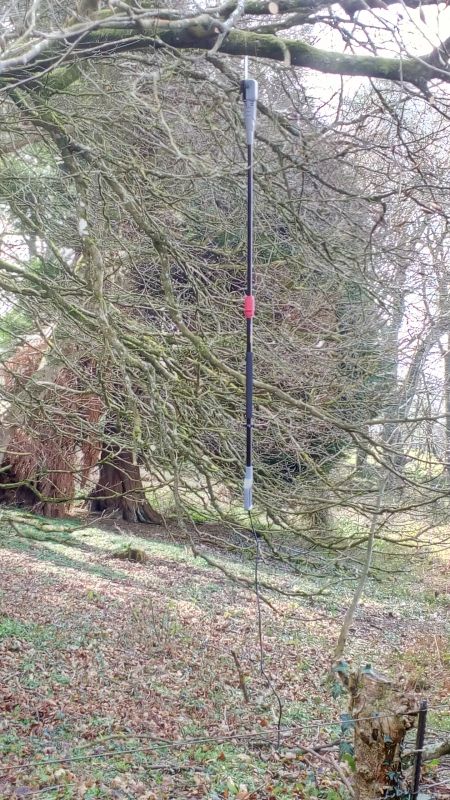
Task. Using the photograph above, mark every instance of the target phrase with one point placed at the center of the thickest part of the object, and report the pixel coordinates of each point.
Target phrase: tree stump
(382, 714)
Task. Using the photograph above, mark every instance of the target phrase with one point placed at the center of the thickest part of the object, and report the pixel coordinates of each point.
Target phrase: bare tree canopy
(121, 189)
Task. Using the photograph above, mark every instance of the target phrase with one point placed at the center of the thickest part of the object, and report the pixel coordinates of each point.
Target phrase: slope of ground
(143, 680)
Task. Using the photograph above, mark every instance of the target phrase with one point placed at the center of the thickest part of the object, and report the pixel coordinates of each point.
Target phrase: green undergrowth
(75, 546)
(72, 541)
(38, 635)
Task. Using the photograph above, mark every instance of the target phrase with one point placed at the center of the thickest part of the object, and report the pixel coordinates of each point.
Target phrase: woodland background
(122, 271)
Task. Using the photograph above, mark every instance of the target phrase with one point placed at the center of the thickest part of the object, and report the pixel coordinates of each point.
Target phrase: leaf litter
(119, 680)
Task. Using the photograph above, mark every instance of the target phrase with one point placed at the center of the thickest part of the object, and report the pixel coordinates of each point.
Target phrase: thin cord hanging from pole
(262, 667)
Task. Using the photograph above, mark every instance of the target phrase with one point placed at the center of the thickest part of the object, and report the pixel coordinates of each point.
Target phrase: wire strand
(250, 737)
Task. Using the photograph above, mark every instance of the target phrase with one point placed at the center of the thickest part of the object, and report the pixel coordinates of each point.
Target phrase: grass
(38, 635)
(99, 657)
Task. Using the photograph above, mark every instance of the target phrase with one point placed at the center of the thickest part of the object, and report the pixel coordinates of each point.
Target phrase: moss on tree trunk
(382, 715)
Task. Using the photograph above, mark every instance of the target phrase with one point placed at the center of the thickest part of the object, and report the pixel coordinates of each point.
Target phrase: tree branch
(256, 8)
(120, 32)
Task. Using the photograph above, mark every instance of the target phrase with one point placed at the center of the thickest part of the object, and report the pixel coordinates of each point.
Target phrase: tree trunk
(320, 519)
(382, 715)
(447, 408)
(362, 454)
(119, 488)
(348, 619)
(39, 474)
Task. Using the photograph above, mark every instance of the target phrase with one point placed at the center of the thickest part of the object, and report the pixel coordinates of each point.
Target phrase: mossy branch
(112, 33)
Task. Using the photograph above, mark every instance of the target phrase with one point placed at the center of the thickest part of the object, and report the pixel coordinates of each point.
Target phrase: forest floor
(125, 680)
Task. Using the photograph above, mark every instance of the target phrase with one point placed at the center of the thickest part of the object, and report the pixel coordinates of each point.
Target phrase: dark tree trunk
(47, 490)
(22, 496)
(447, 409)
(119, 488)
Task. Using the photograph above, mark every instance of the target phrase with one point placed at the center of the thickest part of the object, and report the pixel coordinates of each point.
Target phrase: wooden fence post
(420, 739)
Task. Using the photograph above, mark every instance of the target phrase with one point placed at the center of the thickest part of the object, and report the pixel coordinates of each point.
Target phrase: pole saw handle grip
(249, 89)
(248, 489)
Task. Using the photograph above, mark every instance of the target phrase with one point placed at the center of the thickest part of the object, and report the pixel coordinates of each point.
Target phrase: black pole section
(249, 292)
(420, 738)
(249, 90)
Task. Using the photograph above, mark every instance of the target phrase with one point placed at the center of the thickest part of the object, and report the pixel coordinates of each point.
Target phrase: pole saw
(249, 89)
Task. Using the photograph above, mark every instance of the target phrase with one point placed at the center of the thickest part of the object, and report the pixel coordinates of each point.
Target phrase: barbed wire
(265, 737)
(445, 783)
(262, 736)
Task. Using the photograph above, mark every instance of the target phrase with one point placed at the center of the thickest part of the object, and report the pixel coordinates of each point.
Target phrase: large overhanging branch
(272, 7)
(109, 33)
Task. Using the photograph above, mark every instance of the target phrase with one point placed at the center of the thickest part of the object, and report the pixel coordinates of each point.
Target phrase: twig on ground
(242, 682)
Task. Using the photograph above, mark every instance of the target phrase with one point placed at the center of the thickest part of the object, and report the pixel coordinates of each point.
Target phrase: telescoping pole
(249, 89)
